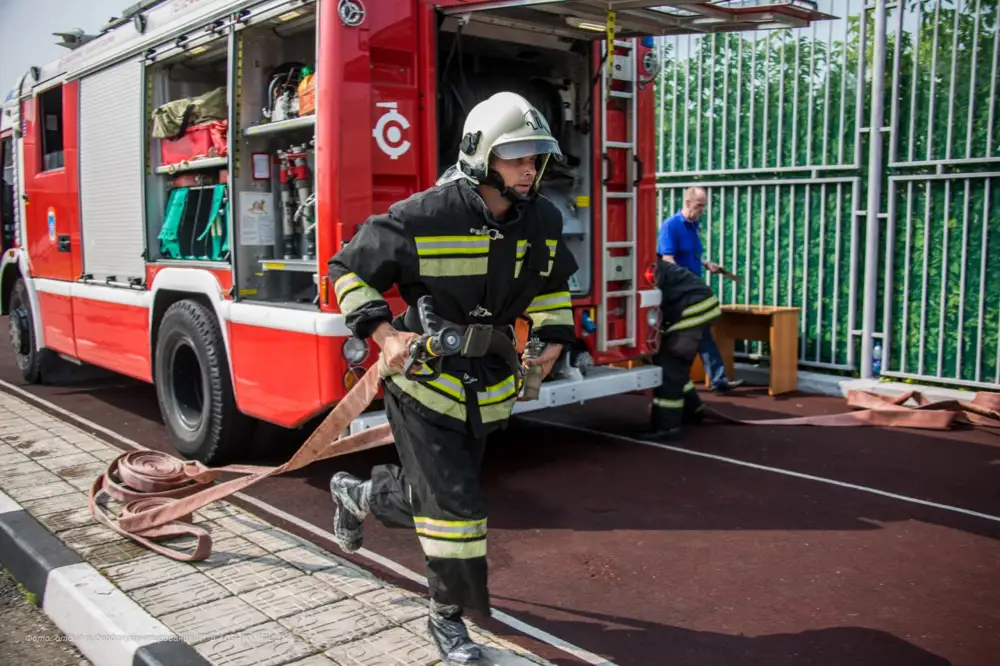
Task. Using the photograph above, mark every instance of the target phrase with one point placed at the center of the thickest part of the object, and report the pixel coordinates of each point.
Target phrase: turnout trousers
(675, 400)
(436, 492)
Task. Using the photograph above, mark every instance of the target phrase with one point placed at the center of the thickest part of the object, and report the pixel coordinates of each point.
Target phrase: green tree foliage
(788, 105)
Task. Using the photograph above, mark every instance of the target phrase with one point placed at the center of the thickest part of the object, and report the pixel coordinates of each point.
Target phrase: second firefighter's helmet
(508, 126)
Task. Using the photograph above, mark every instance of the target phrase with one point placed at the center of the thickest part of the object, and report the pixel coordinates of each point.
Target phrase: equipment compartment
(187, 123)
(274, 190)
(477, 60)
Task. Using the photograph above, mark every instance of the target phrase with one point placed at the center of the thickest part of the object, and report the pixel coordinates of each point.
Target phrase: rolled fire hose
(161, 492)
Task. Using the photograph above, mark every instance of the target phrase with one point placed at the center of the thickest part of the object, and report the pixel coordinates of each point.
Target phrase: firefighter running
(689, 309)
(487, 249)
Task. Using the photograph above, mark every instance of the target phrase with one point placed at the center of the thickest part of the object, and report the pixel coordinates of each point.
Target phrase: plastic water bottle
(877, 359)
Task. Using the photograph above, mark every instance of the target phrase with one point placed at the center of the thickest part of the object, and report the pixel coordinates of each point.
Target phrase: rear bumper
(600, 382)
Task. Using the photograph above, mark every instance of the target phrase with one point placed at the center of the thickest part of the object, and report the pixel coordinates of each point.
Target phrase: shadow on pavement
(644, 643)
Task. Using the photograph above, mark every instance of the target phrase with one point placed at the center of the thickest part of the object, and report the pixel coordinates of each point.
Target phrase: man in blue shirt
(679, 243)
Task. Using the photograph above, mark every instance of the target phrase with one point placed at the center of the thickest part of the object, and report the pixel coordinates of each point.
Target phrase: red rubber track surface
(648, 556)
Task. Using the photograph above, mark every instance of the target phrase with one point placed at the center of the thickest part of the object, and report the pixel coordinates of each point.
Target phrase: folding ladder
(619, 268)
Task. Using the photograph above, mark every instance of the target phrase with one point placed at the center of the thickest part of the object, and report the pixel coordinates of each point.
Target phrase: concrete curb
(108, 627)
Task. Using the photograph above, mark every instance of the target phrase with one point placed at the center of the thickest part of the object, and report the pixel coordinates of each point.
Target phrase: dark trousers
(436, 493)
(675, 400)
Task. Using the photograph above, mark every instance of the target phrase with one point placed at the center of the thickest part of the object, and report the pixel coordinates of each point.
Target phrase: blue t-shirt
(679, 238)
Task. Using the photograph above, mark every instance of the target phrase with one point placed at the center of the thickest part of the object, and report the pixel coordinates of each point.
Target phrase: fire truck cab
(175, 186)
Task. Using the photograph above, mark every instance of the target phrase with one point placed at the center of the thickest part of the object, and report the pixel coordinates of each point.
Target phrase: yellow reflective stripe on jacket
(352, 292)
(699, 307)
(689, 387)
(497, 392)
(433, 400)
(453, 550)
(551, 301)
(453, 266)
(663, 403)
(455, 530)
(696, 320)
(552, 244)
(429, 246)
(551, 318)
(522, 249)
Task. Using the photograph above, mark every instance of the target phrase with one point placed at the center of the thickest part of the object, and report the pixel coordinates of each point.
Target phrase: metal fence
(886, 242)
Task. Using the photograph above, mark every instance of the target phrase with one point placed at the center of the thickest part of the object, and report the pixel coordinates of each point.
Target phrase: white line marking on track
(766, 468)
(534, 632)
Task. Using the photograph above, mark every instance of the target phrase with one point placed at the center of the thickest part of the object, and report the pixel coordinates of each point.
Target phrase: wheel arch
(177, 284)
(14, 265)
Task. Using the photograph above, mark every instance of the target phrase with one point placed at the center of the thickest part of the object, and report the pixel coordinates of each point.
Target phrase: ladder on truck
(619, 267)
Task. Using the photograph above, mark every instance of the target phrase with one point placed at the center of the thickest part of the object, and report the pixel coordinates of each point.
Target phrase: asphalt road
(649, 556)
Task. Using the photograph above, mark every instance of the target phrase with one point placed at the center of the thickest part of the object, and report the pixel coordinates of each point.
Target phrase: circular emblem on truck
(352, 12)
(388, 132)
(52, 224)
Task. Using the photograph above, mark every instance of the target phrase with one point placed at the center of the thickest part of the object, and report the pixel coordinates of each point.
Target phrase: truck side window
(50, 125)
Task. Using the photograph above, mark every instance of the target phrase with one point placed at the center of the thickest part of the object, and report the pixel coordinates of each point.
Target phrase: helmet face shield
(527, 147)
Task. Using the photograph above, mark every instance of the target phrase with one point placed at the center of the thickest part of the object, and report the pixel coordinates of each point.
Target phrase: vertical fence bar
(933, 78)
(984, 246)
(859, 109)
(753, 101)
(722, 240)
(795, 104)
(746, 283)
(822, 269)
(711, 106)
(698, 92)
(874, 190)
(804, 319)
(781, 106)
(687, 103)
(767, 100)
(673, 121)
(836, 273)
(953, 83)
(777, 244)
(812, 97)
(852, 307)
(826, 97)
(961, 288)
(736, 234)
(993, 99)
(739, 100)
(972, 85)
(760, 255)
(791, 245)
(896, 67)
(904, 342)
(890, 270)
(914, 82)
(944, 278)
(923, 292)
(843, 89)
(725, 105)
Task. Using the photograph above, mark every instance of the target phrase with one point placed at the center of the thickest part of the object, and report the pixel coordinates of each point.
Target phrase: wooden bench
(778, 326)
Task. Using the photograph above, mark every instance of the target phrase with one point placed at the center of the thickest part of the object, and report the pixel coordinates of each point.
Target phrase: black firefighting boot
(350, 494)
(451, 636)
(660, 435)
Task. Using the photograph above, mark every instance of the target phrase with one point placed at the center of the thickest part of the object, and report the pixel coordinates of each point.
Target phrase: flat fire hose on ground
(160, 492)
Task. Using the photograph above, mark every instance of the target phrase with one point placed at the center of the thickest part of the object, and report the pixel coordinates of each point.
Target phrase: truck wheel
(21, 331)
(193, 385)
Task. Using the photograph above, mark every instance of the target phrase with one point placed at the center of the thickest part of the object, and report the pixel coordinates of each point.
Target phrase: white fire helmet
(508, 126)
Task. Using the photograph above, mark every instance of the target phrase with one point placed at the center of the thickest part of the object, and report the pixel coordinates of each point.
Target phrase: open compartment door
(587, 19)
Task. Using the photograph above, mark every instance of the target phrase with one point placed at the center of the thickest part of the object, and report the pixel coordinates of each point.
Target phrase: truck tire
(193, 386)
(21, 332)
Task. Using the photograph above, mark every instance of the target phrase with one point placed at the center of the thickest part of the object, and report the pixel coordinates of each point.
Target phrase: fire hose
(161, 492)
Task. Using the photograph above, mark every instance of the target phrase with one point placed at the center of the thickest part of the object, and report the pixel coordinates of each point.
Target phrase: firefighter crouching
(487, 248)
(689, 308)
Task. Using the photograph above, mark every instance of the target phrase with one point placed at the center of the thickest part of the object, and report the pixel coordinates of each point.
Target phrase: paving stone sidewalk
(264, 597)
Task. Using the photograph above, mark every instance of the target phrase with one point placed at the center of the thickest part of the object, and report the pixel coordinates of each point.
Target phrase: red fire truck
(174, 187)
